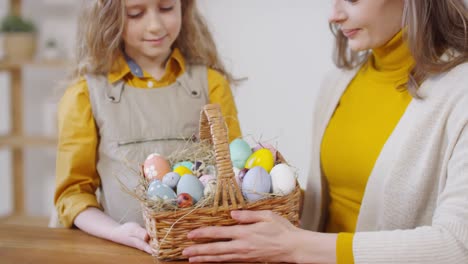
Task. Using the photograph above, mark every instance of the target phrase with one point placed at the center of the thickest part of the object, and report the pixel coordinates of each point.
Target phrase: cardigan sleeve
(446, 239)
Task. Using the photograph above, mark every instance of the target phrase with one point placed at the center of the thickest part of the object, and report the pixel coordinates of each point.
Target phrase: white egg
(283, 179)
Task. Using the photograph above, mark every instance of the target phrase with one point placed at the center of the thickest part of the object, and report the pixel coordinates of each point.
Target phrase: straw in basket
(168, 230)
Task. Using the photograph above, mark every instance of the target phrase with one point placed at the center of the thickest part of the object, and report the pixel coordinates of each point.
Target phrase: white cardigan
(415, 206)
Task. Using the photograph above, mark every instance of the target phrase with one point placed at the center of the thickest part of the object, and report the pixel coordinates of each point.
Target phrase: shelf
(12, 65)
(34, 141)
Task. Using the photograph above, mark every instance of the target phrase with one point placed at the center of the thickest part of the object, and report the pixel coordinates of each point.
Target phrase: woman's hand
(133, 235)
(262, 236)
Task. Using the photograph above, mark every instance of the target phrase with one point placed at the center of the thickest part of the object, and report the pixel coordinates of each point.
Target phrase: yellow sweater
(76, 175)
(366, 115)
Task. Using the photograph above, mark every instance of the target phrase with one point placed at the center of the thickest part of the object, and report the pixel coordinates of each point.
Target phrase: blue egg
(240, 151)
(171, 179)
(191, 185)
(157, 189)
(256, 183)
(186, 164)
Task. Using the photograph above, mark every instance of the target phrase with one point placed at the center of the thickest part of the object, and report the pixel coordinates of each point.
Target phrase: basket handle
(214, 130)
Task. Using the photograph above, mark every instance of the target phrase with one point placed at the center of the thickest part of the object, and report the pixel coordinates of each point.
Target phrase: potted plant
(19, 36)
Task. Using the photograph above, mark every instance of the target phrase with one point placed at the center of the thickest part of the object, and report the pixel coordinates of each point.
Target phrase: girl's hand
(133, 235)
(95, 222)
(263, 236)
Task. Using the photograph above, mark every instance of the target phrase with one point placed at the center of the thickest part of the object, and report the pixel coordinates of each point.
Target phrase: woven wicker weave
(169, 239)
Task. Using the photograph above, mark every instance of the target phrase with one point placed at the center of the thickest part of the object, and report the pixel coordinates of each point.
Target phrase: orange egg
(155, 167)
(184, 200)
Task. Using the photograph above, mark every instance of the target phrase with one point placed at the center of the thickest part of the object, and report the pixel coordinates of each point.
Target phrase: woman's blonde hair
(433, 28)
(100, 30)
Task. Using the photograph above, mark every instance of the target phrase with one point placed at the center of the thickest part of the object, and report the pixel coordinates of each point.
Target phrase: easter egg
(182, 170)
(236, 175)
(263, 158)
(283, 179)
(242, 174)
(192, 185)
(155, 167)
(158, 190)
(186, 164)
(239, 174)
(184, 200)
(210, 170)
(171, 179)
(210, 188)
(206, 178)
(240, 151)
(256, 183)
(198, 168)
(267, 146)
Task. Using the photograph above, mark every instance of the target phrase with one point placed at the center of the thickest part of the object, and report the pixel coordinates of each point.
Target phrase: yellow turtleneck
(366, 115)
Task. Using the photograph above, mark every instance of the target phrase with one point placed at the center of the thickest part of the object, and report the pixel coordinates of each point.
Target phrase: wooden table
(36, 244)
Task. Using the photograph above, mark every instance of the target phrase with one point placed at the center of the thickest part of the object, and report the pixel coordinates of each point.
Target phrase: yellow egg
(182, 170)
(263, 158)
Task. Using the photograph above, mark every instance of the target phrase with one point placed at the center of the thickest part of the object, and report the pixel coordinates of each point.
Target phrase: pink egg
(267, 146)
(155, 167)
(206, 178)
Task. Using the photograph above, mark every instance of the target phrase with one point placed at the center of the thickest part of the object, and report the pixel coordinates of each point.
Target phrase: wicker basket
(169, 239)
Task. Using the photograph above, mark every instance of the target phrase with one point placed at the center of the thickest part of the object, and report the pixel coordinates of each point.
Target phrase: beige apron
(133, 123)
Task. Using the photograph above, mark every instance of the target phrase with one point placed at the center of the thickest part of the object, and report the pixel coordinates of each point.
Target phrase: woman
(389, 168)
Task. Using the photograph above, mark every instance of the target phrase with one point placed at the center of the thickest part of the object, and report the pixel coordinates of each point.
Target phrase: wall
(283, 47)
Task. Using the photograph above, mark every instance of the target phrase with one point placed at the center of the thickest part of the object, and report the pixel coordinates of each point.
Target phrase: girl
(145, 69)
(389, 170)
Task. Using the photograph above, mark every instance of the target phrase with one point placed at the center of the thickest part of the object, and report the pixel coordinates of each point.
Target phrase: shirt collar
(125, 65)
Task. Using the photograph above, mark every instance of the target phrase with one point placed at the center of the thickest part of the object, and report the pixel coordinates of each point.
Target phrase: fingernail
(234, 213)
(186, 252)
(190, 235)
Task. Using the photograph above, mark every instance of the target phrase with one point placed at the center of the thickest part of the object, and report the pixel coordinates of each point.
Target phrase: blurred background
(282, 47)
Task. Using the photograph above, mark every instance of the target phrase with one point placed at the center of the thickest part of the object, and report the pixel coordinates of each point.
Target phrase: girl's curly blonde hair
(100, 29)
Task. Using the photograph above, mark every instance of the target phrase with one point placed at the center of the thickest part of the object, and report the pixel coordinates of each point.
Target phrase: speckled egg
(283, 179)
(263, 158)
(210, 170)
(155, 167)
(206, 178)
(210, 188)
(184, 200)
(171, 179)
(158, 190)
(192, 185)
(240, 151)
(256, 183)
(198, 168)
